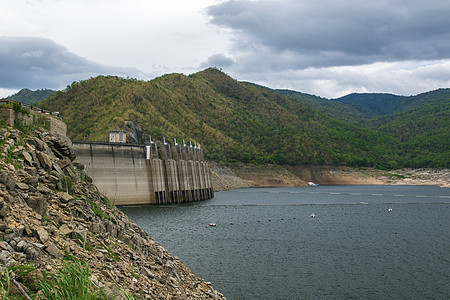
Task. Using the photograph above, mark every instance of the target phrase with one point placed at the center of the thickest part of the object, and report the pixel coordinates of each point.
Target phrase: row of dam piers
(159, 173)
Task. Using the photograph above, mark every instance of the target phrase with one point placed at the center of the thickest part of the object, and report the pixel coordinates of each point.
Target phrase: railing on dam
(146, 174)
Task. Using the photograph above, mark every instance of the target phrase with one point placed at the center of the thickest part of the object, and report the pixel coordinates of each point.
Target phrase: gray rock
(58, 170)
(44, 189)
(4, 212)
(64, 197)
(30, 170)
(21, 246)
(45, 161)
(38, 245)
(6, 259)
(39, 145)
(53, 250)
(63, 163)
(31, 253)
(22, 186)
(37, 203)
(42, 234)
(28, 158)
(31, 180)
(7, 179)
(61, 145)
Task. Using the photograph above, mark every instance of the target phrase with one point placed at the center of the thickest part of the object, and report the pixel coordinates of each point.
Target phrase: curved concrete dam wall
(146, 174)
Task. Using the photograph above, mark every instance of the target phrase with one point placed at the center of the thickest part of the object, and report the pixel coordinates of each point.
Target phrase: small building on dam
(159, 173)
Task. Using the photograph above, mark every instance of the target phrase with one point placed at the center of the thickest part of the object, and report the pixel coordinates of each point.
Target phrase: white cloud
(324, 47)
(7, 92)
(401, 78)
(33, 53)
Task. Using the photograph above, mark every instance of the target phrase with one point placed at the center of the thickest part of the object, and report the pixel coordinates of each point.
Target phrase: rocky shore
(50, 213)
(234, 176)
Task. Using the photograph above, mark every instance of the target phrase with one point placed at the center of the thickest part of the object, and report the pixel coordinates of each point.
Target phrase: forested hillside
(233, 121)
(31, 97)
(420, 123)
(333, 109)
(375, 105)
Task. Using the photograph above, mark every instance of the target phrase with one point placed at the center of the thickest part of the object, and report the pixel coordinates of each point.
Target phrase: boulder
(28, 158)
(22, 186)
(7, 179)
(37, 203)
(45, 161)
(6, 259)
(65, 230)
(42, 234)
(53, 250)
(39, 145)
(64, 197)
(61, 146)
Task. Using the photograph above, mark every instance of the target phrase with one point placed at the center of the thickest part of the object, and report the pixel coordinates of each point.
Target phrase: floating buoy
(212, 224)
(313, 215)
(389, 209)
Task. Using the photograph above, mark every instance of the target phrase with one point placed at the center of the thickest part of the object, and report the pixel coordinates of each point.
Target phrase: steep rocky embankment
(50, 212)
(226, 177)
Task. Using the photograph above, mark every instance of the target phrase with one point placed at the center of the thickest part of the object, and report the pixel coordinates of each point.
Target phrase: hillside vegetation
(30, 97)
(233, 121)
(420, 123)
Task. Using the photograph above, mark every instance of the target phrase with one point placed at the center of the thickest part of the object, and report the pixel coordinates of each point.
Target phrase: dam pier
(158, 173)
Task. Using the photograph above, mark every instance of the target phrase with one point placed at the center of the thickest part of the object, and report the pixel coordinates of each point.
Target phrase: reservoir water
(365, 242)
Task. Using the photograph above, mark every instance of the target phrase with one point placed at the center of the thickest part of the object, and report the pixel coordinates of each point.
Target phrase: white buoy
(389, 209)
(313, 215)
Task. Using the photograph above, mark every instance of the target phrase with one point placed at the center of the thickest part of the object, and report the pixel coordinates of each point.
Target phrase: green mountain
(424, 131)
(31, 97)
(420, 123)
(333, 109)
(374, 105)
(233, 121)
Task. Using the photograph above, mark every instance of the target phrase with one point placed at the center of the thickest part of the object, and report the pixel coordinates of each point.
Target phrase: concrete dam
(159, 173)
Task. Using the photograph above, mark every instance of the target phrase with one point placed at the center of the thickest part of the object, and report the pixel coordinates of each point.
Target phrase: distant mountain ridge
(420, 122)
(234, 121)
(30, 97)
(375, 104)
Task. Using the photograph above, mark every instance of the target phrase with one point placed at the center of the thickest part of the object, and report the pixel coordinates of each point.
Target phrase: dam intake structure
(158, 173)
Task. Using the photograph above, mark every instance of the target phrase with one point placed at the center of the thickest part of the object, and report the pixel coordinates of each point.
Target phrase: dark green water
(266, 245)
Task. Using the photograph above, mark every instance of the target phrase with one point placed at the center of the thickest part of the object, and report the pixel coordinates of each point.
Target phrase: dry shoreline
(234, 176)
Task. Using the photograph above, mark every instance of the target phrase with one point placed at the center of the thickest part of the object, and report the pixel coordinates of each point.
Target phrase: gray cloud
(218, 60)
(322, 33)
(41, 63)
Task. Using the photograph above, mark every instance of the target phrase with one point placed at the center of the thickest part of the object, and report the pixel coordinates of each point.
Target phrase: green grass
(71, 282)
(4, 284)
(97, 210)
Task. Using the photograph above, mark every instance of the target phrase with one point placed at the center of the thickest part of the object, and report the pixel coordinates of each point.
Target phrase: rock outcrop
(50, 212)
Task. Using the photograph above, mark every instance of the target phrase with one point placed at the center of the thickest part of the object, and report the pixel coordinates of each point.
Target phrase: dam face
(146, 174)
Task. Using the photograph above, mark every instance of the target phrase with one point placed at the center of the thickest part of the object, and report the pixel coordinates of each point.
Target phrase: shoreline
(234, 176)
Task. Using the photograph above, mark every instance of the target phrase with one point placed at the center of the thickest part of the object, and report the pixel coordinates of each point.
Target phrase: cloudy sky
(324, 47)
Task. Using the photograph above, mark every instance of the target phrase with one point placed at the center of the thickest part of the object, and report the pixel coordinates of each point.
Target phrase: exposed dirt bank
(226, 177)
